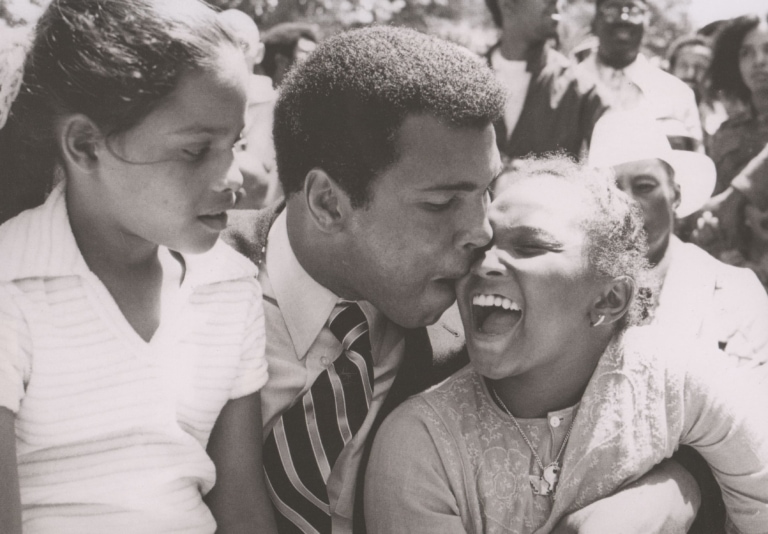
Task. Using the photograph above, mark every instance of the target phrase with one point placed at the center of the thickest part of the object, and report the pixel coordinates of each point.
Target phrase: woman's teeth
(496, 300)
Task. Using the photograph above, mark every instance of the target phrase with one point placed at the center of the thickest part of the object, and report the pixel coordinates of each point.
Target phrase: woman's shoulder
(450, 396)
(732, 131)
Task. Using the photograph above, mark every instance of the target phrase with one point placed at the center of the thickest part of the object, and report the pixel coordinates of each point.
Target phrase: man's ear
(678, 198)
(258, 54)
(614, 302)
(327, 203)
(79, 138)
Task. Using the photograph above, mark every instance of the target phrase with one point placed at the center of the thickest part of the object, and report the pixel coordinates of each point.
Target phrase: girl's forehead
(209, 99)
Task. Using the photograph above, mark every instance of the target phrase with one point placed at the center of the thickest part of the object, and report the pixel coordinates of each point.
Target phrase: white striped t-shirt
(111, 430)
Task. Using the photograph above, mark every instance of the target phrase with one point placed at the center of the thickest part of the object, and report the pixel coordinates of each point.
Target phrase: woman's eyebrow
(531, 233)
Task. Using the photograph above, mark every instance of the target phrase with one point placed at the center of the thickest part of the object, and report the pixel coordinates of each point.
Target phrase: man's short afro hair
(341, 109)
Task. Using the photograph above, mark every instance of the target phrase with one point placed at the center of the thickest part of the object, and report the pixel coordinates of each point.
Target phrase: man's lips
(215, 221)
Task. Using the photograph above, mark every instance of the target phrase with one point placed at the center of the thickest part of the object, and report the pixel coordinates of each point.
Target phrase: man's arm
(10, 501)
(664, 500)
(727, 208)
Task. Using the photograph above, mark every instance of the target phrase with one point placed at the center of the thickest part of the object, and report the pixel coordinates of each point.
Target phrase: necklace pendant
(545, 484)
(539, 485)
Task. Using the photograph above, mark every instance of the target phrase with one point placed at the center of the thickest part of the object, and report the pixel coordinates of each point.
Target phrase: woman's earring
(600, 319)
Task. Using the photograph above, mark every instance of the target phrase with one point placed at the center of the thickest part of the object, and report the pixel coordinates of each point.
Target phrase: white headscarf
(13, 51)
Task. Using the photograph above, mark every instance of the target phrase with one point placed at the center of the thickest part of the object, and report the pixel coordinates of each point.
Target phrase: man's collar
(304, 304)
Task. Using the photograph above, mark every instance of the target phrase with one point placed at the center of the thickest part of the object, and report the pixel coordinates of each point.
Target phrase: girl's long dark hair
(111, 60)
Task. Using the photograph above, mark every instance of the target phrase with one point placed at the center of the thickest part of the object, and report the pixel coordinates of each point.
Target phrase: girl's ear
(327, 203)
(79, 138)
(614, 302)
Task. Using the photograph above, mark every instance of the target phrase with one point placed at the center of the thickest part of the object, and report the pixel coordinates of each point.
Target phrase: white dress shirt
(300, 347)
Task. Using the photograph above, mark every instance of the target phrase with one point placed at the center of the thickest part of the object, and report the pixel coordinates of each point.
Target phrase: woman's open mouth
(495, 314)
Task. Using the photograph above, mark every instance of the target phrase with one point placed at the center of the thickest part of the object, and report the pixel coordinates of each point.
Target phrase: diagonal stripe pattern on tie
(306, 441)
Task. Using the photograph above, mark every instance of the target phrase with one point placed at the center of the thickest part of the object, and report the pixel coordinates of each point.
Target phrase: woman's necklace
(545, 484)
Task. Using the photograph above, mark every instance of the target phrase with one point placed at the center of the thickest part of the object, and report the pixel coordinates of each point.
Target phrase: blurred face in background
(691, 64)
(651, 184)
(620, 25)
(753, 59)
(536, 19)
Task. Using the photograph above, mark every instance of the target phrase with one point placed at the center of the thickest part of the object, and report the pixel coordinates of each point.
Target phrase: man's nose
(476, 231)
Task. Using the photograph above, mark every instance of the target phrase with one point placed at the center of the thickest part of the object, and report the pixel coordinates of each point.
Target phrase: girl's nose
(233, 180)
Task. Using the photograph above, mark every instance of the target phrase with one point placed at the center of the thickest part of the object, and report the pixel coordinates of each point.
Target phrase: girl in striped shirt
(131, 340)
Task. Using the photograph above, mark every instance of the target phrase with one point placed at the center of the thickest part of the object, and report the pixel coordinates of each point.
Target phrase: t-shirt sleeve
(15, 351)
(252, 374)
(406, 484)
(725, 422)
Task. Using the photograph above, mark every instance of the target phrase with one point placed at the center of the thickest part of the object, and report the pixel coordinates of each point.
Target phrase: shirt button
(324, 361)
(554, 421)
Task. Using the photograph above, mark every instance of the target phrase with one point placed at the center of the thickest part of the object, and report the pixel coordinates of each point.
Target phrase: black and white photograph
(383, 266)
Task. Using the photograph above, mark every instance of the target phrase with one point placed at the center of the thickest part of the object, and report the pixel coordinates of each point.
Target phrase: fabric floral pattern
(650, 393)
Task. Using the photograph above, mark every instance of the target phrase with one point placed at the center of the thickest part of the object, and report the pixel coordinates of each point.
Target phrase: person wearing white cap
(627, 75)
(699, 294)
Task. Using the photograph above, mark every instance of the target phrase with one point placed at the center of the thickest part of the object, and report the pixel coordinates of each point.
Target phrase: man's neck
(614, 62)
(316, 254)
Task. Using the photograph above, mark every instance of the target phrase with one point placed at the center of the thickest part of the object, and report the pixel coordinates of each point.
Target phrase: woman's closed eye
(529, 250)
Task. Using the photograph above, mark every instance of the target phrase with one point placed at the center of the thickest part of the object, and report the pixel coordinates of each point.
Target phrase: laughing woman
(566, 401)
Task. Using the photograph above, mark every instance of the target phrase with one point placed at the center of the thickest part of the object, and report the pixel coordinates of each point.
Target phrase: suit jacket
(431, 354)
(560, 110)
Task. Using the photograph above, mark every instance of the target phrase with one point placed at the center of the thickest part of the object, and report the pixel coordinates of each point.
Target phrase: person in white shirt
(699, 295)
(630, 80)
(549, 106)
(131, 339)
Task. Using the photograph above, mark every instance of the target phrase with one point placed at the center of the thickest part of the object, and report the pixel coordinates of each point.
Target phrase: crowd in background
(684, 249)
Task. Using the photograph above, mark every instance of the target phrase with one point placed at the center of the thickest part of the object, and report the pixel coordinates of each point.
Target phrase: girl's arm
(239, 500)
(10, 501)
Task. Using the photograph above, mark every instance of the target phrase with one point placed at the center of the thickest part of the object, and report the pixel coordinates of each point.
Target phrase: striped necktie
(306, 441)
